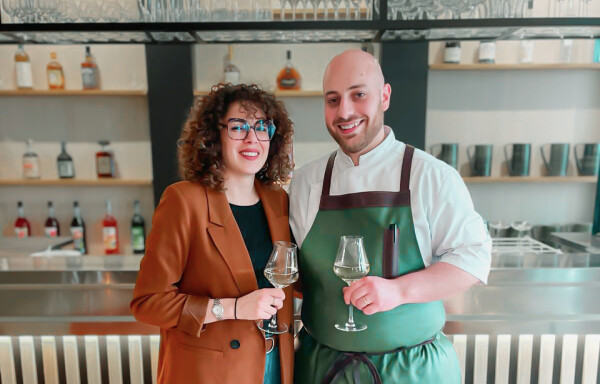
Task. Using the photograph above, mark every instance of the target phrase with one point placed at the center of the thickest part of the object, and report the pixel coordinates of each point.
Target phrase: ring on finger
(364, 299)
(273, 304)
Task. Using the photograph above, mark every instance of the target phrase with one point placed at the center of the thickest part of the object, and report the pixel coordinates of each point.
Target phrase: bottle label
(65, 168)
(288, 82)
(137, 239)
(31, 167)
(21, 232)
(77, 235)
(51, 231)
(232, 77)
(487, 52)
(452, 55)
(89, 77)
(24, 76)
(109, 238)
(104, 165)
(55, 77)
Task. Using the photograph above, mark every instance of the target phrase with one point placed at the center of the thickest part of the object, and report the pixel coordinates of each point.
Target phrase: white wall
(538, 107)
(81, 121)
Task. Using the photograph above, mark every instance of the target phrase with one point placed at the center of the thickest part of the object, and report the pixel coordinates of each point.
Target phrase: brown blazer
(194, 252)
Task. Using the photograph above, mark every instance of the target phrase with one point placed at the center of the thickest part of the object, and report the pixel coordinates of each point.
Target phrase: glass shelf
(302, 31)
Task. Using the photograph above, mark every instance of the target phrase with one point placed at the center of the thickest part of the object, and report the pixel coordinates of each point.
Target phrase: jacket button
(235, 344)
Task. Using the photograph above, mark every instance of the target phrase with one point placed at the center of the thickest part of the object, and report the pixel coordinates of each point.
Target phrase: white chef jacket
(447, 227)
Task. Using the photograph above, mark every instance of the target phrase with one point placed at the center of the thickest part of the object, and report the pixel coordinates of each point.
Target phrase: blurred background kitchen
(509, 95)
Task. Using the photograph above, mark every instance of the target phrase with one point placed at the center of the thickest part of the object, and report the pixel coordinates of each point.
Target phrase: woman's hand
(260, 304)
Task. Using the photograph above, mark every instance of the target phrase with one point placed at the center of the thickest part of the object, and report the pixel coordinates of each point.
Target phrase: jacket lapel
(226, 235)
(276, 212)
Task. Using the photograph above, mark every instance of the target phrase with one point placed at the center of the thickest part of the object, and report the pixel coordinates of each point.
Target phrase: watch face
(217, 310)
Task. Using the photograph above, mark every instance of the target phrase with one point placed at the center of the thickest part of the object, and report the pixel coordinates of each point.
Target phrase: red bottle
(51, 226)
(110, 234)
(105, 164)
(22, 226)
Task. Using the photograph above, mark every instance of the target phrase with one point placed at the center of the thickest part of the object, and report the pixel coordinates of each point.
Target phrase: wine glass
(351, 264)
(281, 270)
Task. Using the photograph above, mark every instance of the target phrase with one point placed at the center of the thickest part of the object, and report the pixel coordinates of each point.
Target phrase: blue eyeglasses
(238, 129)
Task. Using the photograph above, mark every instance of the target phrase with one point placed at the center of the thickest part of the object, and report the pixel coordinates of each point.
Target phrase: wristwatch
(217, 309)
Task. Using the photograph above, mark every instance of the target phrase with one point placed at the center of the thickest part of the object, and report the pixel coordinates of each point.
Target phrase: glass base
(347, 327)
(278, 329)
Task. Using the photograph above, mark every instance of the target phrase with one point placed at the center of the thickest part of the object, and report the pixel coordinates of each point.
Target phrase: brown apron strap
(406, 165)
(328, 172)
(367, 199)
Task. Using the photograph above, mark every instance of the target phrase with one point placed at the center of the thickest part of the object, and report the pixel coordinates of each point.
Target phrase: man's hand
(373, 294)
(439, 281)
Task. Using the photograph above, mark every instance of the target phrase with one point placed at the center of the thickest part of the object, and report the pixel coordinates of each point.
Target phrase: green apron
(391, 343)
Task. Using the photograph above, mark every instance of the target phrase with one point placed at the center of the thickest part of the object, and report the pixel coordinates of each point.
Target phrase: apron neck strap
(328, 171)
(406, 164)
(404, 177)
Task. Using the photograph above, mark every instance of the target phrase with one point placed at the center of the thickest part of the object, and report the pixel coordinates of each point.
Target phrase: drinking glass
(281, 270)
(351, 264)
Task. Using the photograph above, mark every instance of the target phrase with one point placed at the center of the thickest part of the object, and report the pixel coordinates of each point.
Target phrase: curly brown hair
(199, 146)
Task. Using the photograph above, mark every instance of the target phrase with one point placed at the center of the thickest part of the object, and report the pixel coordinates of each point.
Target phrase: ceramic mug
(558, 162)
(448, 153)
(518, 163)
(480, 159)
(589, 163)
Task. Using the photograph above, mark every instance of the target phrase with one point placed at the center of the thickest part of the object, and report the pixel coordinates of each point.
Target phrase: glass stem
(273, 323)
(350, 315)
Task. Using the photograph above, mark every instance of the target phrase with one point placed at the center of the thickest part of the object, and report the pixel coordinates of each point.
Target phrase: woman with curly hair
(201, 280)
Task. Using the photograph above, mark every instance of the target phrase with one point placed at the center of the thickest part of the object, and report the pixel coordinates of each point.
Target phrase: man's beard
(365, 138)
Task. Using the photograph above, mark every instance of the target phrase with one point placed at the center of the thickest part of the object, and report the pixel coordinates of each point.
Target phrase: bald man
(423, 239)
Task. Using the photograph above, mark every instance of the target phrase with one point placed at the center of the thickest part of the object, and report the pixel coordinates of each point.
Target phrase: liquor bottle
(104, 160)
(51, 227)
(138, 230)
(78, 230)
(110, 235)
(65, 163)
(23, 69)
(231, 73)
(22, 226)
(89, 71)
(31, 163)
(288, 77)
(56, 77)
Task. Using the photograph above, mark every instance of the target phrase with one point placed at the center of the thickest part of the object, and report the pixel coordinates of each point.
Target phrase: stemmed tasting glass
(281, 270)
(351, 264)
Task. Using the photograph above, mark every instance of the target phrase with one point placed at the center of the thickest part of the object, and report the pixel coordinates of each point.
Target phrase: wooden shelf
(530, 179)
(74, 92)
(76, 182)
(300, 93)
(510, 67)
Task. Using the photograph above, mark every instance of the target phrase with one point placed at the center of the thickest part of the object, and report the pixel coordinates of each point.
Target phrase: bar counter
(526, 293)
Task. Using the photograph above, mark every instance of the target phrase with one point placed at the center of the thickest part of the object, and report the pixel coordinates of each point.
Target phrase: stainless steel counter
(526, 293)
(68, 295)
